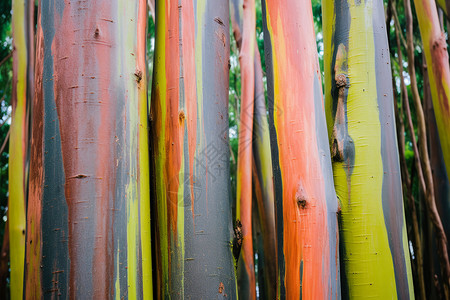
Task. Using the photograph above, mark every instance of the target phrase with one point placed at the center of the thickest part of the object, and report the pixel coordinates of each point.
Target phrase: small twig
(6, 58)
(397, 25)
(5, 141)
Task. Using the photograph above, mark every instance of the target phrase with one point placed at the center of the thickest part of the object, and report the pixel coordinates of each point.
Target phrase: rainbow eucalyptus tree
(262, 169)
(441, 185)
(88, 228)
(306, 204)
(440, 179)
(245, 263)
(263, 187)
(190, 153)
(361, 126)
(23, 35)
(435, 48)
(445, 6)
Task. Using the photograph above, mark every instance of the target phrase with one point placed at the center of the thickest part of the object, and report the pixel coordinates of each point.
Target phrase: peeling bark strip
(301, 156)
(360, 119)
(88, 214)
(18, 145)
(190, 156)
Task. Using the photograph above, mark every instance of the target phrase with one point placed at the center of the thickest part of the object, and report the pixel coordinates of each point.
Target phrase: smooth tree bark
(435, 48)
(263, 183)
(306, 204)
(245, 263)
(440, 179)
(18, 144)
(262, 179)
(445, 6)
(361, 125)
(88, 227)
(190, 152)
(413, 222)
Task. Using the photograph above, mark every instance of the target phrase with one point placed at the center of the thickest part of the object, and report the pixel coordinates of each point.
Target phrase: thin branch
(397, 25)
(411, 204)
(6, 58)
(441, 238)
(5, 141)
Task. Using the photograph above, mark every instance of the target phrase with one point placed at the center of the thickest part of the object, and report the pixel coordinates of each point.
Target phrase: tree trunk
(263, 182)
(245, 263)
(306, 203)
(88, 214)
(18, 145)
(262, 165)
(361, 125)
(445, 6)
(440, 179)
(190, 153)
(435, 48)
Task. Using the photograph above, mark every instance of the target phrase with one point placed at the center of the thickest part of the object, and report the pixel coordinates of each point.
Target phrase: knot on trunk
(301, 197)
(341, 80)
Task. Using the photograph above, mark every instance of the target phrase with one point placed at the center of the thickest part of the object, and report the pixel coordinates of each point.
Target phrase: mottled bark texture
(88, 227)
(361, 126)
(245, 264)
(306, 204)
(262, 179)
(190, 152)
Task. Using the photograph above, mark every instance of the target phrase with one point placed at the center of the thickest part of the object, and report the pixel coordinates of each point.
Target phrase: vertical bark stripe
(365, 161)
(95, 199)
(304, 198)
(18, 145)
(180, 160)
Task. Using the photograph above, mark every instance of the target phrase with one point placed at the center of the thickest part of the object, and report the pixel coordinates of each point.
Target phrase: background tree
(435, 49)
